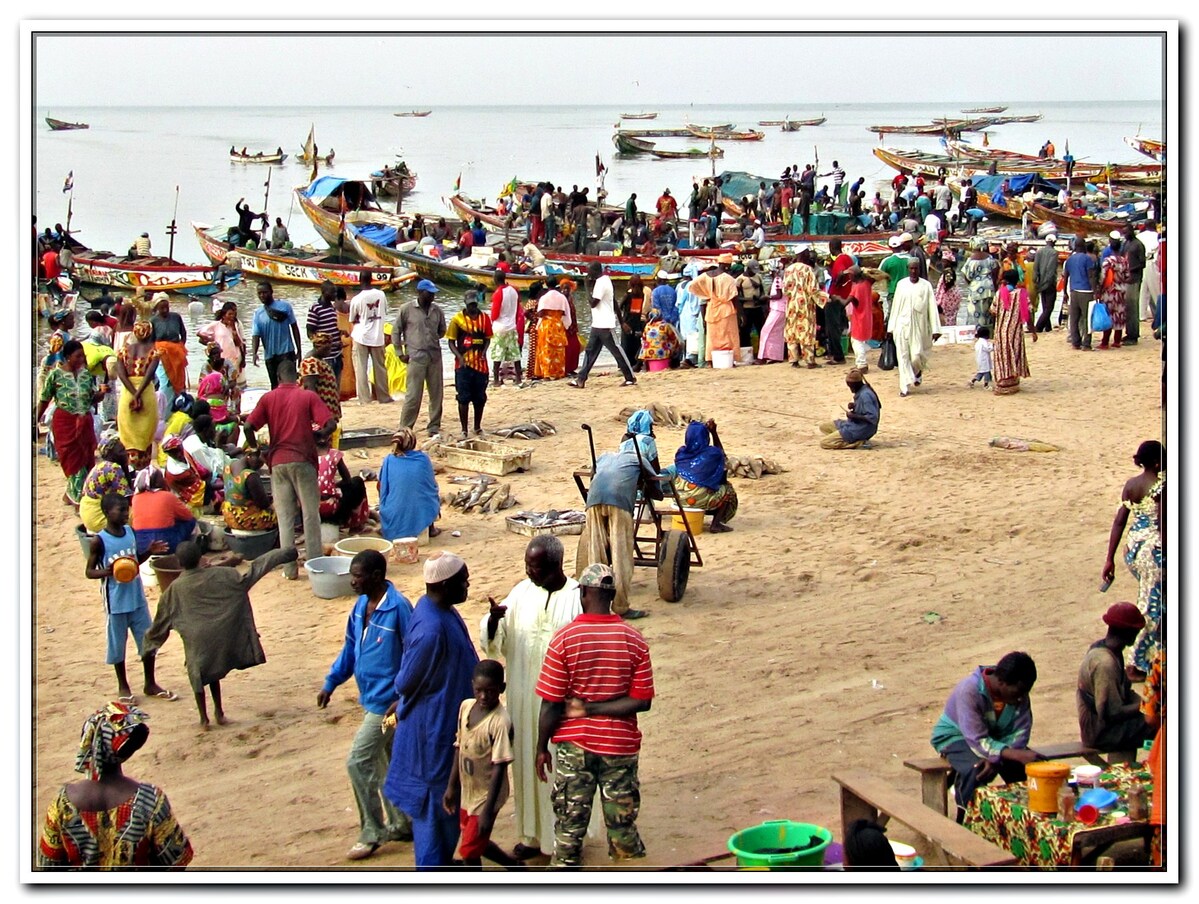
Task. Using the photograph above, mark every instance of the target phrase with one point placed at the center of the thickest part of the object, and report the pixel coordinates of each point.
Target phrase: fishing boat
(300, 265)
(638, 115)
(1150, 147)
(726, 134)
(308, 152)
(919, 162)
(1131, 211)
(771, 122)
(417, 113)
(153, 274)
(1011, 201)
(712, 152)
(673, 133)
(818, 121)
(936, 127)
(260, 157)
(389, 181)
(629, 144)
(57, 125)
(331, 203)
(1004, 120)
(1131, 174)
(976, 110)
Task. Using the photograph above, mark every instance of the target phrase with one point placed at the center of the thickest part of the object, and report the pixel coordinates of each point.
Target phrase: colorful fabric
(720, 503)
(173, 357)
(550, 349)
(1143, 556)
(504, 347)
(1009, 362)
(469, 335)
(659, 341)
(697, 460)
(771, 343)
(720, 317)
(949, 299)
(803, 296)
(104, 734)
(326, 382)
(970, 716)
(980, 289)
(72, 392)
(106, 477)
(1114, 282)
(1000, 814)
(75, 444)
(214, 389)
(239, 509)
(142, 831)
(137, 428)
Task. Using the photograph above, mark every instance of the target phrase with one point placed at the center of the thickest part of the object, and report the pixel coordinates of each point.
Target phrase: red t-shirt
(289, 411)
(840, 284)
(156, 509)
(50, 265)
(598, 657)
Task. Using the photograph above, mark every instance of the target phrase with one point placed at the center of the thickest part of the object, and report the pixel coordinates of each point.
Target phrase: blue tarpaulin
(377, 233)
(324, 187)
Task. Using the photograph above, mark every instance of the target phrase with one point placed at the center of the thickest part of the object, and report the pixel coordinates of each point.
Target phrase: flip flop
(167, 695)
(131, 700)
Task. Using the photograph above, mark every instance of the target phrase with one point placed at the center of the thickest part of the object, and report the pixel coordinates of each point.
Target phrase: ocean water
(137, 169)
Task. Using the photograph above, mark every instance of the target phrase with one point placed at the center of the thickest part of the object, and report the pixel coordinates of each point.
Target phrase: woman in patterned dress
(73, 390)
(803, 297)
(247, 505)
(108, 476)
(108, 820)
(1142, 502)
(1012, 313)
(343, 496)
(532, 318)
(137, 412)
(1113, 284)
(659, 341)
(981, 272)
(553, 321)
(949, 296)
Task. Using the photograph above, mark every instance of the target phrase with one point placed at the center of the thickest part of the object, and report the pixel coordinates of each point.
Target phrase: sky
(609, 64)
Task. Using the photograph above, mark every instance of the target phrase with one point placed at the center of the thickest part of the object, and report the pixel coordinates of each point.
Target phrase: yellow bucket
(694, 517)
(1044, 781)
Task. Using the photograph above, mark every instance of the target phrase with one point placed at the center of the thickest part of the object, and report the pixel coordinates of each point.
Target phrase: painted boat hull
(629, 144)
(638, 115)
(57, 125)
(1077, 225)
(257, 158)
(155, 274)
(715, 153)
(328, 223)
(722, 135)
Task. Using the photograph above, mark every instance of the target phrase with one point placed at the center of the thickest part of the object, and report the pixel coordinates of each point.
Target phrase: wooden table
(1000, 814)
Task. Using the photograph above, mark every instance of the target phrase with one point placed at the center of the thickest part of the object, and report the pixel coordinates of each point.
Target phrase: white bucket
(747, 355)
(330, 533)
(692, 343)
(721, 359)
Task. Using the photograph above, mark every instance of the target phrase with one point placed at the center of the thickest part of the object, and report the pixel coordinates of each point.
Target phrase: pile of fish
(751, 466)
(664, 415)
(1012, 444)
(552, 518)
(529, 430)
(481, 493)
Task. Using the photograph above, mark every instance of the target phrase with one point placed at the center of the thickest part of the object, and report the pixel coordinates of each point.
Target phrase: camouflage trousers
(577, 774)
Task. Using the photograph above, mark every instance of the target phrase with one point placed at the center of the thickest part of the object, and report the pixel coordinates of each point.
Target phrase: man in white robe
(914, 324)
(519, 631)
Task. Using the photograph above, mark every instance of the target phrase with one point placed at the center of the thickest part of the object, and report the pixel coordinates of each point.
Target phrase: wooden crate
(365, 436)
(485, 456)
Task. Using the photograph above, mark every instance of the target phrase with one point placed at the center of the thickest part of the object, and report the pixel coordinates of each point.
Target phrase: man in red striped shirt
(595, 678)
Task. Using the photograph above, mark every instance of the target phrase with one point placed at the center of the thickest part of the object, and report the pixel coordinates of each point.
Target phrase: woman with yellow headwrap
(408, 498)
(137, 413)
(108, 820)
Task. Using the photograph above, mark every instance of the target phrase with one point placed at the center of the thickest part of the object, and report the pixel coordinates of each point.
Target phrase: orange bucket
(1044, 781)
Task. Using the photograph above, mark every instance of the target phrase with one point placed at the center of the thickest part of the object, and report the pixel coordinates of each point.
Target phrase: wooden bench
(935, 771)
(865, 797)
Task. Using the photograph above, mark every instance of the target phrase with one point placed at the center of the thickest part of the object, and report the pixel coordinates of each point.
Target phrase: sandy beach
(823, 632)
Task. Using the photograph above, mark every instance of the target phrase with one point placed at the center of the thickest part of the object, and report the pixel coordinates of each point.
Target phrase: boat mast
(171, 229)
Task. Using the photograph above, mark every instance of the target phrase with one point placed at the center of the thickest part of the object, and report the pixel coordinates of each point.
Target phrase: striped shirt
(470, 335)
(322, 318)
(595, 658)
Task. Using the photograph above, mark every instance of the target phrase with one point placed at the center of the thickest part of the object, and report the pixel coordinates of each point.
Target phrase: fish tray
(367, 436)
(485, 456)
(518, 526)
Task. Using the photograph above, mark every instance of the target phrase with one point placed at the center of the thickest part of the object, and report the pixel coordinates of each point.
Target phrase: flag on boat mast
(600, 169)
(458, 183)
(69, 184)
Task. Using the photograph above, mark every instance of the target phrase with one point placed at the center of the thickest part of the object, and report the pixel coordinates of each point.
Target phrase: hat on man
(1050, 239)
(442, 566)
(1124, 616)
(895, 241)
(1115, 234)
(854, 376)
(905, 238)
(427, 285)
(598, 575)
(725, 258)
(159, 297)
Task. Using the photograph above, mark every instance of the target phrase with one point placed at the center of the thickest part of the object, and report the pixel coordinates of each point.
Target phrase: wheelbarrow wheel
(674, 566)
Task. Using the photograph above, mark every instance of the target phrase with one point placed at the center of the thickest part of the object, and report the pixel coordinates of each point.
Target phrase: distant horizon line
(804, 105)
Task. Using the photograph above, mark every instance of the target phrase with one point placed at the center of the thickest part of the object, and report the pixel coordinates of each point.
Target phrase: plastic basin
(693, 516)
(251, 545)
(329, 576)
(656, 364)
(780, 844)
(85, 539)
(166, 569)
(351, 546)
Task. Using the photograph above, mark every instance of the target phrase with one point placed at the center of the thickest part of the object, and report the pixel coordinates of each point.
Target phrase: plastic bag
(888, 359)
(1100, 319)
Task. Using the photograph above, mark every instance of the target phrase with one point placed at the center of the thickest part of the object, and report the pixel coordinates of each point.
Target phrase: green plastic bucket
(781, 843)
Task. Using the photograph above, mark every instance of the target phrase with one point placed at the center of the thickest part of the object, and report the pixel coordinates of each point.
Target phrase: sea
(148, 169)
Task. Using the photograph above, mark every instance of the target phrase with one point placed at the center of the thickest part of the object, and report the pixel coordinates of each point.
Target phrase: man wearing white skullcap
(435, 677)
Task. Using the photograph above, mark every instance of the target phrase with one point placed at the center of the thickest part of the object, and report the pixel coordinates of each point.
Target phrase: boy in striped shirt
(595, 678)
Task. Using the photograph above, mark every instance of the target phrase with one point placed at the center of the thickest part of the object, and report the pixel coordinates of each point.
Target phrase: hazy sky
(617, 67)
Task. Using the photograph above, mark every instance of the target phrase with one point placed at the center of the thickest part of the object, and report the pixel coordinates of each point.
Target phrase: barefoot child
(124, 601)
(982, 357)
(478, 784)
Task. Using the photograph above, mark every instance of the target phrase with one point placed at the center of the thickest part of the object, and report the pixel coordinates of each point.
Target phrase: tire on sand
(674, 566)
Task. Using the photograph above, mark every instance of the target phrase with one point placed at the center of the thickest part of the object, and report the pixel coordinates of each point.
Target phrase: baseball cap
(426, 285)
(597, 575)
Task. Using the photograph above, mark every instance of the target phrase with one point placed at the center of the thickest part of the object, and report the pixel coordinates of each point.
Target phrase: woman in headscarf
(1113, 286)
(553, 319)
(718, 288)
(803, 298)
(659, 341)
(691, 319)
(408, 498)
(1012, 312)
(574, 348)
(73, 390)
(179, 424)
(981, 273)
(63, 322)
(247, 505)
(186, 477)
(316, 375)
(137, 412)
(1142, 502)
(771, 347)
(170, 341)
(530, 309)
(225, 331)
(157, 514)
(700, 477)
(343, 496)
(949, 296)
(641, 430)
(108, 820)
(107, 476)
(217, 387)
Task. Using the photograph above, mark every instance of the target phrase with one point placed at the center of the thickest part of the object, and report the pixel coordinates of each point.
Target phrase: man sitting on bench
(985, 727)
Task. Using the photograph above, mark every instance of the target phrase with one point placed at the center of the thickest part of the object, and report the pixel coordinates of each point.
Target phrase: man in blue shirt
(862, 416)
(434, 678)
(275, 327)
(608, 532)
(372, 652)
(1079, 272)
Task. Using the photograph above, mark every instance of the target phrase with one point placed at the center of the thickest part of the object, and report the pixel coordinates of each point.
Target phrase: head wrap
(143, 330)
(110, 441)
(56, 343)
(104, 734)
(212, 347)
(144, 481)
(183, 402)
(977, 244)
(641, 421)
(691, 270)
(403, 440)
(1124, 616)
(854, 376)
(442, 566)
(697, 460)
(598, 575)
(59, 317)
(172, 443)
(310, 367)
(159, 297)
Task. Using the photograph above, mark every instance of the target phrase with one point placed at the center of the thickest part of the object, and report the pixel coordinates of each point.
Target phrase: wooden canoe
(1075, 224)
(417, 113)
(976, 110)
(389, 185)
(791, 126)
(1004, 120)
(1011, 209)
(1150, 147)
(771, 122)
(260, 157)
(58, 125)
(629, 144)
(726, 135)
(672, 133)
(714, 152)
(917, 162)
(327, 220)
(638, 115)
(818, 121)
(297, 266)
(936, 127)
(154, 274)
(1135, 174)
